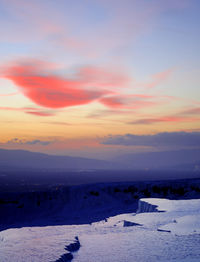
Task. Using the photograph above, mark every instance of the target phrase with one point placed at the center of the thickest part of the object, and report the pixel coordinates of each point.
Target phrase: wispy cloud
(156, 79)
(11, 94)
(40, 113)
(123, 22)
(185, 115)
(56, 123)
(191, 111)
(29, 110)
(129, 101)
(110, 112)
(176, 119)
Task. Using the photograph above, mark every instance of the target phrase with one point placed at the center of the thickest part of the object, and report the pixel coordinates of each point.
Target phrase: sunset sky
(92, 77)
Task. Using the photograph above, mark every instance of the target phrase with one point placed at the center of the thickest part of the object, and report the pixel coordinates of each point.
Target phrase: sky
(99, 78)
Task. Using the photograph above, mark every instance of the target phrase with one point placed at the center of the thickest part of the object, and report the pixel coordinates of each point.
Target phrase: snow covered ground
(162, 230)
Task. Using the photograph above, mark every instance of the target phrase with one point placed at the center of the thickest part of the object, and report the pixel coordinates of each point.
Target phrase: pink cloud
(191, 111)
(156, 79)
(176, 119)
(128, 101)
(16, 108)
(40, 113)
(104, 78)
(113, 102)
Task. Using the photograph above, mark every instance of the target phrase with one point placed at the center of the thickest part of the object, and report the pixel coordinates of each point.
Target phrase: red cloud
(52, 91)
(48, 90)
(35, 81)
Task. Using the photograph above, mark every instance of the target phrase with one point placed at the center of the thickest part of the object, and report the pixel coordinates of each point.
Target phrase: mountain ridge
(177, 159)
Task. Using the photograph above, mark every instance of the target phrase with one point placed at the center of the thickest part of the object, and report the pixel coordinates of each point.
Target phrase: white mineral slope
(34, 244)
(109, 240)
(179, 217)
(152, 240)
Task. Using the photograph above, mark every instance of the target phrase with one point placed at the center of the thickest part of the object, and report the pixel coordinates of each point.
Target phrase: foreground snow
(148, 235)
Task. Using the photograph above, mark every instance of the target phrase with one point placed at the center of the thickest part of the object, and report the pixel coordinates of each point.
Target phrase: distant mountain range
(179, 159)
(176, 160)
(24, 159)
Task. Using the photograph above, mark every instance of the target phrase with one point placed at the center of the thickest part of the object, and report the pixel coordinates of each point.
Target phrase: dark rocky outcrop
(65, 258)
(130, 224)
(72, 247)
